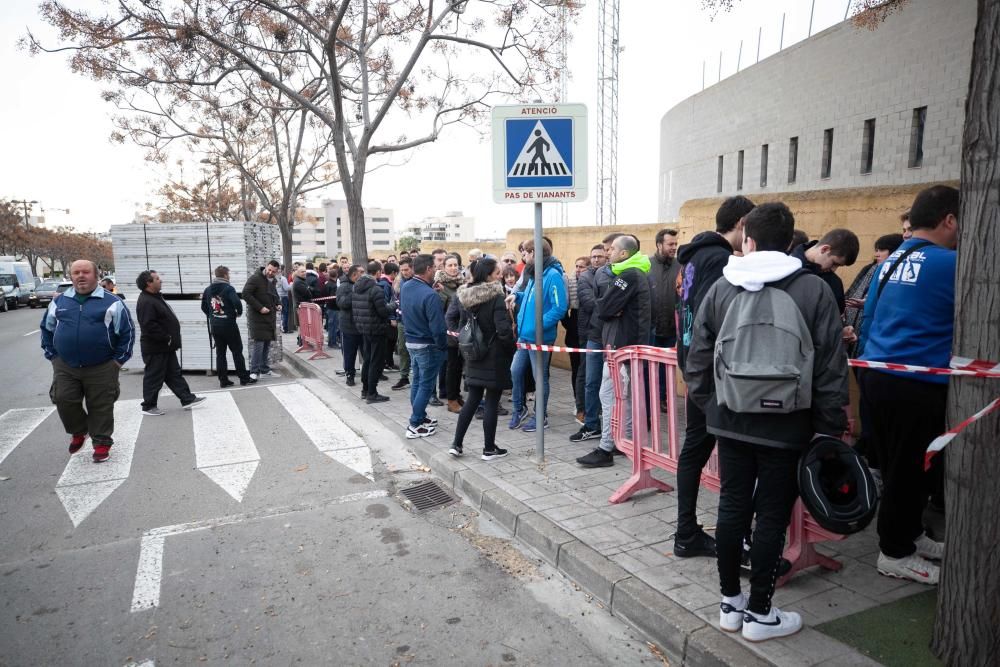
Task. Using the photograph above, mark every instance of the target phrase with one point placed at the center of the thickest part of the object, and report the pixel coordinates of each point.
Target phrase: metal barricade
(311, 330)
(646, 451)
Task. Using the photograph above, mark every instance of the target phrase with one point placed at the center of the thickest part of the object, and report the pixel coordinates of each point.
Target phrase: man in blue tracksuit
(87, 334)
(555, 302)
(426, 341)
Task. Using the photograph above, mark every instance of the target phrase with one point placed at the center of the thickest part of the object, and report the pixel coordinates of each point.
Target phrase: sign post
(539, 155)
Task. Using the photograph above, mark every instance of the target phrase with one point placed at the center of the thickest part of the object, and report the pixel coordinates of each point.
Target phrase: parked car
(47, 291)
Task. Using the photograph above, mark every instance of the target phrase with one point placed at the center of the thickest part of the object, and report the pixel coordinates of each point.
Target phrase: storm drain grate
(427, 495)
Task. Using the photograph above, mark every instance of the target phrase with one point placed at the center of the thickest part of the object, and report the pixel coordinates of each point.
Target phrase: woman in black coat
(483, 299)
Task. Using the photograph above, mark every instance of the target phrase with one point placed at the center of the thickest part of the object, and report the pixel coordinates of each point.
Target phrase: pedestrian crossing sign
(539, 153)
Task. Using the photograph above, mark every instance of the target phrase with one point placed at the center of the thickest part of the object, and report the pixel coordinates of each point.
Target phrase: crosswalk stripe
(84, 485)
(15, 425)
(224, 449)
(327, 431)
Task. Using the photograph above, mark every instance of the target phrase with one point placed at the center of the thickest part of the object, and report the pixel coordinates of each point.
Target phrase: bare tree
(363, 68)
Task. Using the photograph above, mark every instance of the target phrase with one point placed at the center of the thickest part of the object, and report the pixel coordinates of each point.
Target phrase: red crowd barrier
(646, 450)
(311, 330)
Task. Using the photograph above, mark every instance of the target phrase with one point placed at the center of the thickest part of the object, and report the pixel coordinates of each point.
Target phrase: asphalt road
(256, 529)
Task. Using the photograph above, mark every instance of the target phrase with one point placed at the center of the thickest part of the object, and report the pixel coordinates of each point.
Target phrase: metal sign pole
(539, 340)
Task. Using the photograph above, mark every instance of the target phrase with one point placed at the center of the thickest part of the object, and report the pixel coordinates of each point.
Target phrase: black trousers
(453, 375)
(580, 383)
(695, 452)
(468, 413)
(163, 368)
(373, 362)
(906, 415)
(227, 338)
(741, 465)
(349, 345)
(391, 335)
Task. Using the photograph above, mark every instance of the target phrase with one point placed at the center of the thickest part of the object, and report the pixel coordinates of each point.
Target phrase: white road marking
(149, 574)
(327, 430)
(30, 333)
(224, 449)
(84, 485)
(246, 388)
(15, 425)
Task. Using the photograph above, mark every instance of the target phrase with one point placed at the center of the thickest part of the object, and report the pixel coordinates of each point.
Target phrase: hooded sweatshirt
(829, 383)
(702, 262)
(624, 307)
(829, 277)
(221, 304)
(555, 302)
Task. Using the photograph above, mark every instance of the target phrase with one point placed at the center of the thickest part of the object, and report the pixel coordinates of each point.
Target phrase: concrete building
(451, 227)
(847, 108)
(325, 231)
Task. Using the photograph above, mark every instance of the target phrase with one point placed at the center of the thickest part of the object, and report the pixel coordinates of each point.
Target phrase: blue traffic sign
(539, 152)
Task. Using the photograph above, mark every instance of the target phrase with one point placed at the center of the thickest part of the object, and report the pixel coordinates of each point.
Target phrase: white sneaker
(731, 612)
(421, 431)
(912, 567)
(254, 377)
(270, 374)
(776, 624)
(928, 548)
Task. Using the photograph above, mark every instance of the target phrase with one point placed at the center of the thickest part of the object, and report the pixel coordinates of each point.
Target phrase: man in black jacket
(350, 339)
(663, 270)
(222, 306)
(702, 262)
(371, 315)
(837, 248)
(159, 341)
(761, 448)
(624, 309)
(261, 294)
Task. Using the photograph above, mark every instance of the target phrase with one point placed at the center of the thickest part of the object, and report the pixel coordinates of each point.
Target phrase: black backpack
(472, 343)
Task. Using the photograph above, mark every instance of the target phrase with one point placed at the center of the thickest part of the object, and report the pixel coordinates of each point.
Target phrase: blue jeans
(258, 356)
(332, 326)
(592, 388)
(284, 314)
(425, 364)
(523, 360)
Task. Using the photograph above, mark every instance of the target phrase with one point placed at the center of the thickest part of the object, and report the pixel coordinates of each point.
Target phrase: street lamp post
(26, 205)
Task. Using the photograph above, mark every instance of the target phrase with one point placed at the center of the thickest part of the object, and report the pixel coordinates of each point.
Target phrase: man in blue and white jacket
(87, 334)
(555, 302)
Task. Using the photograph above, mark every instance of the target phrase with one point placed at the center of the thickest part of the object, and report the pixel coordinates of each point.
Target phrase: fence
(311, 330)
(639, 366)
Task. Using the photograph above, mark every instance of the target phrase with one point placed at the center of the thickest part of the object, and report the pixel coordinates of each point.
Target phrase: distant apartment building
(325, 231)
(452, 226)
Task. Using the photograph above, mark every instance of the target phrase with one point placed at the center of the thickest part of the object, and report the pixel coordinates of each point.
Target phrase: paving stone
(834, 603)
(710, 647)
(503, 508)
(551, 501)
(662, 577)
(542, 535)
(603, 536)
(564, 512)
(692, 596)
(594, 572)
(664, 622)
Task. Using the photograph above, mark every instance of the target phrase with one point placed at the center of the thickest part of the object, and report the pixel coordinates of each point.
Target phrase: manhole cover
(427, 495)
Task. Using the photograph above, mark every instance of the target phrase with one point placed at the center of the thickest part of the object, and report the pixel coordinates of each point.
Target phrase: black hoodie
(221, 304)
(702, 261)
(829, 277)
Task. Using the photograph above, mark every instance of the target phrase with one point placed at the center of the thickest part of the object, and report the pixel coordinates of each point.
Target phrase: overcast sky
(55, 127)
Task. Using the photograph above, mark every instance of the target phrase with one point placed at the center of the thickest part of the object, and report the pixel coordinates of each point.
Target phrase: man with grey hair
(87, 334)
(625, 313)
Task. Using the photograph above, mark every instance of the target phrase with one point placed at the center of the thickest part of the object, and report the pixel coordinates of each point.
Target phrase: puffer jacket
(368, 307)
(344, 303)
(485, 302)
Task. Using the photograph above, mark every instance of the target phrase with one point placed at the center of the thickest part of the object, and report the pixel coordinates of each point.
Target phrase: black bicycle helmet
(836, 486)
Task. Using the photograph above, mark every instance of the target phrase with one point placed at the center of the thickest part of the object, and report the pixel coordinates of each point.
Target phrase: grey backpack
(764, 353)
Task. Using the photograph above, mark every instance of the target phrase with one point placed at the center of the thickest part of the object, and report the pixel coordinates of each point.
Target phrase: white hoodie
(753, 271)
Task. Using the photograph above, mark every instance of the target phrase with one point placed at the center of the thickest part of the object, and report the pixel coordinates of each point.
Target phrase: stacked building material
(185, 255)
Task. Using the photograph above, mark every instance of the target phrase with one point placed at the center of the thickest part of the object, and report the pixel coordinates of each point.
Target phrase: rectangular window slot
(827, 153)
(793, 158)
(763, 166)
(917, 137)
(868, 147)
(739, 170)
(718, 187)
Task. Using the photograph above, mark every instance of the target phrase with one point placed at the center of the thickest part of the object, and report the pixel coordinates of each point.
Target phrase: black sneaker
(699, 544)
(597, 459)
(584, 434)
(350, 381)
(377, 398)
(383, 377)
(402, 383)
(494, 454)
(480, 412)
(364, 394)
(435, 401)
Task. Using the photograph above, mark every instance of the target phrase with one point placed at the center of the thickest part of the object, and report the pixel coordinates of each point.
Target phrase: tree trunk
(356, 215)
(285, 227)
(968, 608)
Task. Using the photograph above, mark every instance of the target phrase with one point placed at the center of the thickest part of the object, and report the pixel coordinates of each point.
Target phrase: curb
(686, 638)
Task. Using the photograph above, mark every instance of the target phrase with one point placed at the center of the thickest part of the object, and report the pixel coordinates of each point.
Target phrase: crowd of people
(760, 320)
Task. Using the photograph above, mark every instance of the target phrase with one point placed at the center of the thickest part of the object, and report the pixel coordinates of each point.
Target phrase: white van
(16, 281)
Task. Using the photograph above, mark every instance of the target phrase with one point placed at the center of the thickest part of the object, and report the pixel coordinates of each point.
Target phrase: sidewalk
(622, 554)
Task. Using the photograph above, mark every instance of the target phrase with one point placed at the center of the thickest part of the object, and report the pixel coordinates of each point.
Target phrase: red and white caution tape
(939, 442)
(959, 366)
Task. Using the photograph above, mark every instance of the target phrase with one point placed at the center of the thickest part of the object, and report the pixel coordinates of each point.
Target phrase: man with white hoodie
(760, 442)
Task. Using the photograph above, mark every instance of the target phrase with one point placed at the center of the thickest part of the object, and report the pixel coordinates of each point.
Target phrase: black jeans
(373, 362)
(453, 379)
(468, 412)
(163, 368)
(741, 465)
(227, 337)
(695, 452)
(349, 345)
(906, 415)
(390, 344)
